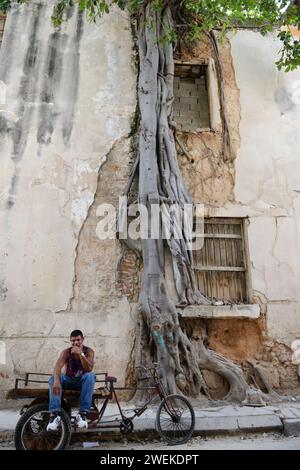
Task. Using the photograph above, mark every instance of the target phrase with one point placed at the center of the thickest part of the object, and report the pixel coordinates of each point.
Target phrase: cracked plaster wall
(210, 179)
(260, 181)
(267, 177)
(65, 111)
(55, 273)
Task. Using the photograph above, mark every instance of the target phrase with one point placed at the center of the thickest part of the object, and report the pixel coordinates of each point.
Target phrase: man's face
(76, 340)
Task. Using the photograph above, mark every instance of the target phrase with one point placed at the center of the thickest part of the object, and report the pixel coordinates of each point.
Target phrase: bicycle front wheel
(175, 419)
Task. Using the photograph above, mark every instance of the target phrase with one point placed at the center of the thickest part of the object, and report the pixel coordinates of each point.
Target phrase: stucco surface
(70, 99)
(267, 177)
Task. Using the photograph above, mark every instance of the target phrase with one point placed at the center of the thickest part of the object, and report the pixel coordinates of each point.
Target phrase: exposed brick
(188, 100)
(128, 275)
(190, 104)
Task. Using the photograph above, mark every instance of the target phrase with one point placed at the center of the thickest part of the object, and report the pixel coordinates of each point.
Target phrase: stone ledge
(291, 427)
(221, 311)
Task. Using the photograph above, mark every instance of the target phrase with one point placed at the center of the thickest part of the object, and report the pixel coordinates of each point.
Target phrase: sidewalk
(283, 417)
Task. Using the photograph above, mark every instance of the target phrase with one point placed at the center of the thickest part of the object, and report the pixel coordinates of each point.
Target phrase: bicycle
(175, 417)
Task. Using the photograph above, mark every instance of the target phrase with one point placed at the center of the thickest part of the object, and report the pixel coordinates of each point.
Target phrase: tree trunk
(159, 332)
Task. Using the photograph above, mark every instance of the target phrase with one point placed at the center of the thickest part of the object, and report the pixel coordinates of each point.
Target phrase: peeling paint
(210, 180)
(80, 207)
(57, 182)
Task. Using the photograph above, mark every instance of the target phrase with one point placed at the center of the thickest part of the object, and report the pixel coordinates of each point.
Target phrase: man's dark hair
(76, 333)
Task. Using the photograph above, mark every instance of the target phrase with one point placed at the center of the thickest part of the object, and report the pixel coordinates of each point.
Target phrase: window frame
(243, 222)
(213, 94)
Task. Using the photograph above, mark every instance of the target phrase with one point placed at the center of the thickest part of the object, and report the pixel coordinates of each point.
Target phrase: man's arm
(57, 371)
(87, 360)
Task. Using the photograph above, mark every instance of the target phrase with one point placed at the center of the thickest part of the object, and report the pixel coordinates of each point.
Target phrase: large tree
(160, 24)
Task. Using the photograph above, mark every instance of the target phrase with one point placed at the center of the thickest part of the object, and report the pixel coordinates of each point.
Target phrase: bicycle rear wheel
(175, 419)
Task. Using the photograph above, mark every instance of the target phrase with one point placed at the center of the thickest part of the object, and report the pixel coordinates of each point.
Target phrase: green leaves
(202, 16)
(290, 52)
(263, 15)
(5, 5)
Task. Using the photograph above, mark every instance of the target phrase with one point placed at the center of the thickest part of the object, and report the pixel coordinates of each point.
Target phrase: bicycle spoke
(175, 419)
(185, 431)
(36, 437)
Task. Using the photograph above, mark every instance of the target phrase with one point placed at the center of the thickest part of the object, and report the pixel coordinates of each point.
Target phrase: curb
(291, 427)
(224, 424)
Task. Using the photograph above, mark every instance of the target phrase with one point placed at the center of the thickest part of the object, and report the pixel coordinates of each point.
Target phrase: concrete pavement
(283, 417)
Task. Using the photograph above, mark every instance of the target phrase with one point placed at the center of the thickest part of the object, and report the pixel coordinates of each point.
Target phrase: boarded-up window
(221, 265)
(191, 109)
(2, 24)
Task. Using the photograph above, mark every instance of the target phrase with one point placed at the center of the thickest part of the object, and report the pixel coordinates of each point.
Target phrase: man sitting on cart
(79, 362)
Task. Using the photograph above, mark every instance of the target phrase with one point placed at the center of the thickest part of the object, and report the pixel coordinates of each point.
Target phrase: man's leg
(55, 403)
(66, 383)
(71, 383)
(87, 390)
(54, 400)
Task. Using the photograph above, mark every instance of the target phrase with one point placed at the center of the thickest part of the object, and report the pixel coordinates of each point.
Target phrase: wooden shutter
(2, 24)
(221, 265)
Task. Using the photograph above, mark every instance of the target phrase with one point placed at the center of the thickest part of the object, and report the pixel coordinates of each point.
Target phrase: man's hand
(56, 387)
(76, 350)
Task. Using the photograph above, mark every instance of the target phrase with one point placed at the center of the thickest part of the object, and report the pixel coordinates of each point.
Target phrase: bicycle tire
(26, 438)
(175, 419)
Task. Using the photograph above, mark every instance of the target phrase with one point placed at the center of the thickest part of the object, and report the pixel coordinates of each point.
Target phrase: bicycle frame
(169, 421)
(158, 389)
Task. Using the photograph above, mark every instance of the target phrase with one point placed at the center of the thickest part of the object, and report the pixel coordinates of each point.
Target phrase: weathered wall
(267, 183)
(259, 181)
(209, 178)
(70, 99)
(267, 187)
(267, 191)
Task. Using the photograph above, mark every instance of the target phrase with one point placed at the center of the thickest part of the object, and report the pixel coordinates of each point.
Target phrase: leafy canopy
(195, 17)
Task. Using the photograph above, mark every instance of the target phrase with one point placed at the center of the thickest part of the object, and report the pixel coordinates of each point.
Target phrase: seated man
(79, 361)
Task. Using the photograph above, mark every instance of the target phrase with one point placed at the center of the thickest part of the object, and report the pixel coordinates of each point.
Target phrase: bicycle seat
(109, 378)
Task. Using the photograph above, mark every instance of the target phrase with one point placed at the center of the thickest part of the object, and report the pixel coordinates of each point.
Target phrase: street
(271, 441)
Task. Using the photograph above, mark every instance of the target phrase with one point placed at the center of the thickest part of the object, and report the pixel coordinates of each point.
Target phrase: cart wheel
(175, 419)
(31, 434)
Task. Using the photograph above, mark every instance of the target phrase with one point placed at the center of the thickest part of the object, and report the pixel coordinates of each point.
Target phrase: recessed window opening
(221, 266)
(191, 103)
